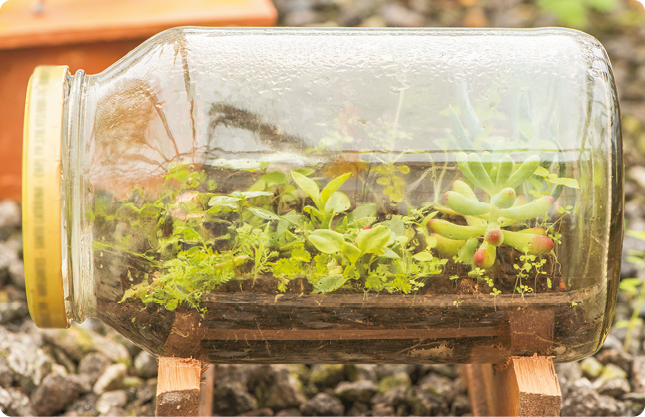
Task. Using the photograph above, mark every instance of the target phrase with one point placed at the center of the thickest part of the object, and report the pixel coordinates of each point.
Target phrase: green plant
(634, 289)
(575, 13)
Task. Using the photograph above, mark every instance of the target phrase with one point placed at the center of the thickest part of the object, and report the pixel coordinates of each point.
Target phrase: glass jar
(331, 195)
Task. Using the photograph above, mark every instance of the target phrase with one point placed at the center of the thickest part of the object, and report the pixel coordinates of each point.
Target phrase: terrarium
(331, 195)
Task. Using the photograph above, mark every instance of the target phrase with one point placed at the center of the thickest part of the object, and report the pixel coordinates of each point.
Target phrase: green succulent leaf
(465, 206)
(351, 252)
(275, 177)
(525, 170)
(504, 172)
(224, 201)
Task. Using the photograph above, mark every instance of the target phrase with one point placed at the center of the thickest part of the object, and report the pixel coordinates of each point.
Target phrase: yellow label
(41, 196)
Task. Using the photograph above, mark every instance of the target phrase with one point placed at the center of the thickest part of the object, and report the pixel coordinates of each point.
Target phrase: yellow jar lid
(41, 196)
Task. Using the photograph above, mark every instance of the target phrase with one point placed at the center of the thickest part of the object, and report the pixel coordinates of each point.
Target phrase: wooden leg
(524, 386)
(178, 387)
(206, 399)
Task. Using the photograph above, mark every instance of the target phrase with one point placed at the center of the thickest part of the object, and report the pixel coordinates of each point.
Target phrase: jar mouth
(41, 196)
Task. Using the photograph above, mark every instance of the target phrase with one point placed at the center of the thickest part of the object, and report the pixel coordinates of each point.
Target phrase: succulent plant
(486, 220)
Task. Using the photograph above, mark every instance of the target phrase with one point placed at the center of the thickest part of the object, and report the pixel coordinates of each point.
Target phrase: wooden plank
(531, 331)
(206, 396)
(178, 387)
(476, 385)
(297, 334)
(526, 386)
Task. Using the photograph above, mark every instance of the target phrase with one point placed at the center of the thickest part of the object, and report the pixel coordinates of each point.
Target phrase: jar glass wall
(287, 195)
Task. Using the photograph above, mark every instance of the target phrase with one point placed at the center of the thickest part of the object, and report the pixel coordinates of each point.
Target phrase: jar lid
(41, 196)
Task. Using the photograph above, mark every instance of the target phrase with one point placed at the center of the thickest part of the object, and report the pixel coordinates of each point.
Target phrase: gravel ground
(91, 370)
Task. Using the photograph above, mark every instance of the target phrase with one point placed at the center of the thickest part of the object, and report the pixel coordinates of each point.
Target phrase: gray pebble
(93, 365)
(323, 404)
(146, 365)
(57, 391)
(111, 378)
(13, 402)
(289, 412)
(112, 399)
(362, 390)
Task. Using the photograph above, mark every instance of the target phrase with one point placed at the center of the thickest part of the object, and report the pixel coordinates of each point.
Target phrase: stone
(286, 391)
(583, 400)
(146, 365)
(266, 411)
(591, 367)
(84, 406)
(113, 335)
(30, 365)
(111, 399)
(15, 403)
(366, 371)
(424, 403)
(637, 174)
(400, 379)
(147, 392)
(232, 398)
(110, 379)
(57, 391)
(13, 311)
(78, 341)
(568, 372)
(460, 405)
(17, 273)
(132, 381)
(323, 404)
(637, 397)
(617, 357)
(362, 390)
(145, 410)
(611, 342)
(383, 410)
(93, 365)
(446, 370)
(397, 15)
(6, 373)
(611, 371)
(10, 218)
(327, 376)
(359, 409)
(303, 18)
(439, 385)
(638, 374)
(396, 397)
(289, 412)
(616, 388)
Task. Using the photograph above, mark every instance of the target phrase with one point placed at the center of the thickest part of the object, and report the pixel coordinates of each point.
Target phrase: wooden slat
(178, 387)
(526, 386)
(206, 395)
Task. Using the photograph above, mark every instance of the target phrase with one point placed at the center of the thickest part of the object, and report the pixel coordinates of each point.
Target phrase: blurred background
(91, 370)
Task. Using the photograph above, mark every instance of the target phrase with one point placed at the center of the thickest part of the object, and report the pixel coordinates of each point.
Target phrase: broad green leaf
(308, 186)
(423, 257)
(304, 171)
(373, 240)
(224, 201)
(263, 213)
(567, 182)
(541, 172)
(332, 186)
(390, 254)
(252, 194)
(396, 226)
(326, 241)
(351, 252)
(366, 210)
(172, 304)
(275, 177)
(337, 203)
(330, 283)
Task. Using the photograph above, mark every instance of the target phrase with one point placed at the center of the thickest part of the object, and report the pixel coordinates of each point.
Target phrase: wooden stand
(178, 387)
(523, 386)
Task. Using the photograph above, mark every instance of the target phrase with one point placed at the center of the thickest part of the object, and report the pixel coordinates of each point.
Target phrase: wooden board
(523, 386)
(178, 387)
